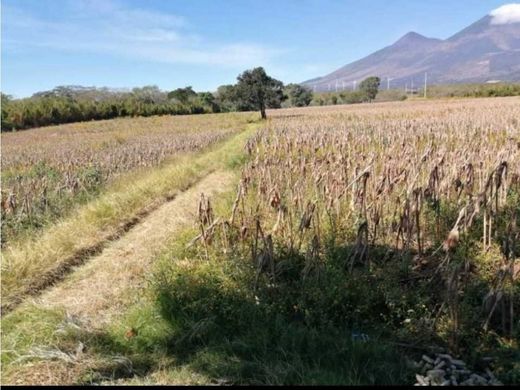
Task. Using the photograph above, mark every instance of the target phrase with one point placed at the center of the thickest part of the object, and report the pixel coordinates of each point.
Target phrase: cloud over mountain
(508, 13)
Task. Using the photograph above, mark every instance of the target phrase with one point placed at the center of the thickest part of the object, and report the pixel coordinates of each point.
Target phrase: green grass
(21, 331)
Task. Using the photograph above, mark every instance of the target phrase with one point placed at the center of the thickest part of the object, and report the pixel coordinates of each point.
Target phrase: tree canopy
(182, 95)
(299, 96)
(260, 91)
(370, 87)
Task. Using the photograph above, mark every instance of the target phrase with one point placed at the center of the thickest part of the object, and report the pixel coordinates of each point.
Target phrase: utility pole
(425, 83)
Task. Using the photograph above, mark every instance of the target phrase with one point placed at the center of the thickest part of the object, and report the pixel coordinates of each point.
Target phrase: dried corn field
(357, 240)
(46, 170)
(429, 190)
(385, 173)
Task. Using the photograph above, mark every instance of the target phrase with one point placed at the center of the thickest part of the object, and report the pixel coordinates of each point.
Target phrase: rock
(447, 371)
(436, 376)
(478, 379)
(427, 359)
(426, 367)
(421, 380)
(436, 373)
(444, 356)
(458, 363)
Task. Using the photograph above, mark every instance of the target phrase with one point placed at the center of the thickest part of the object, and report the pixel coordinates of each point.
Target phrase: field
(48, 175)
(328, 245)
(46, 171)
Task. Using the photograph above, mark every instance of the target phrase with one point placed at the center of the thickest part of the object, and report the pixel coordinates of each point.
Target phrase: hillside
(482, 52)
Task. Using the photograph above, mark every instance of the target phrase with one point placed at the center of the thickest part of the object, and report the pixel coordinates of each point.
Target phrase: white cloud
(506, 14)
(114, 28)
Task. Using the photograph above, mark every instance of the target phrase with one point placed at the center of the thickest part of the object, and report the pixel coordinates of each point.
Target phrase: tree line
(67, 104)
(254, 91)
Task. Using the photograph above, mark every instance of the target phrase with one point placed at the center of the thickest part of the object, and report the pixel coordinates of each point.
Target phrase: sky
(205, 43)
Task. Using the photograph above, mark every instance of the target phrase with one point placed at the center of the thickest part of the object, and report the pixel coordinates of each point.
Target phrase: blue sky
(206, 43)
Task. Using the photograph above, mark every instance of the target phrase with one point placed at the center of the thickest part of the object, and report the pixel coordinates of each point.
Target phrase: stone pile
(444, 370)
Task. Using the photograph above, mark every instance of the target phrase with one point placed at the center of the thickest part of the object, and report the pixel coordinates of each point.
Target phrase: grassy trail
(97, 292)
(31, 266)
(102, 288)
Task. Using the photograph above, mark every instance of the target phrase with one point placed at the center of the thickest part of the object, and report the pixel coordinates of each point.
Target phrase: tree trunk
(262, 112)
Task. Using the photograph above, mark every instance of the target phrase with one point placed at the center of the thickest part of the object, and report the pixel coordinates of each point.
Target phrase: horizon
(128, 44)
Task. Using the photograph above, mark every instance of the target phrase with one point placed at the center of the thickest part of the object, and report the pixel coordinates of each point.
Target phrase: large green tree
(370, 87)
(257, 89)
(299, 96)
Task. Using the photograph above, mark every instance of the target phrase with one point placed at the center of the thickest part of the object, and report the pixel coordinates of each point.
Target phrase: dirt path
(100, 289)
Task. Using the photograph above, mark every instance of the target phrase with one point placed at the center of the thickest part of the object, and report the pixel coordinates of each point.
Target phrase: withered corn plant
(434, 182)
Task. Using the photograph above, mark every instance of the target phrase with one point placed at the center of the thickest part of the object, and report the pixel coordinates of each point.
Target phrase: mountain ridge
(481, 52)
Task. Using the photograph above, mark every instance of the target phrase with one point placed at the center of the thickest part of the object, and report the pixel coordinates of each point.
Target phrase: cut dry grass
(100, 289)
